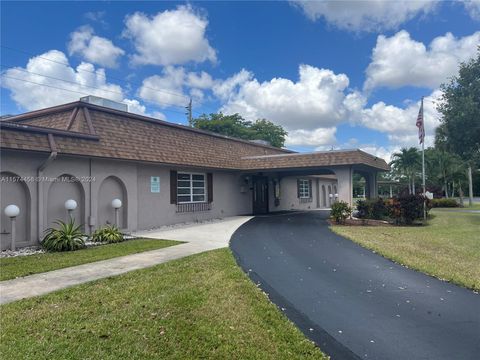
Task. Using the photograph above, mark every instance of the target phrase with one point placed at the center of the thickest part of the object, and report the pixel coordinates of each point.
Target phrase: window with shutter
(191, 188)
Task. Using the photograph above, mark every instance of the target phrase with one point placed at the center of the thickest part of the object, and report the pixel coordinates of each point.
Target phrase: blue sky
(341, 75)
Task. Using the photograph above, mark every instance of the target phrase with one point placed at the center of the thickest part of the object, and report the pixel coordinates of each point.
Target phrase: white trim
(191, 188)
(300, 190)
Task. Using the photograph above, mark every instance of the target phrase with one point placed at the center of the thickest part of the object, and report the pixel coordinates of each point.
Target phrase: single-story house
(163, 173)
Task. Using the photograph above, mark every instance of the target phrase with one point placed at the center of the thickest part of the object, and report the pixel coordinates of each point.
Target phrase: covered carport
(327, 175)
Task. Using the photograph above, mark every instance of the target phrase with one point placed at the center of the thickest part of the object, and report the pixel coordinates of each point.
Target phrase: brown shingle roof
(121, 135)
(314, 159)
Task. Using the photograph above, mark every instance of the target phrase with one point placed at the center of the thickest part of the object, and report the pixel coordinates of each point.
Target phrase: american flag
(420, 125)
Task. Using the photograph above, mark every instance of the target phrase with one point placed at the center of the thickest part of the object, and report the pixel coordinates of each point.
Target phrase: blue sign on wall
(155, 184)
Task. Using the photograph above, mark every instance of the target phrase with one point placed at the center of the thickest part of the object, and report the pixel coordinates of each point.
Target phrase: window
(304, 188)
(191, 188)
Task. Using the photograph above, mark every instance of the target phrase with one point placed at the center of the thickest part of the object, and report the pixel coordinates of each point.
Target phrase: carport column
(345, 184)
(372, 184)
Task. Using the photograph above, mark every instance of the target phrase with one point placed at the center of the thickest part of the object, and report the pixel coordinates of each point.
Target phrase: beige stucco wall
(141, 209)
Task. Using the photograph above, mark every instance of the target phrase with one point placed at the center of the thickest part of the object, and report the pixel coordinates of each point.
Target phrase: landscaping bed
(361, 222)
(447, 246)
(198, 307)
(12, 267)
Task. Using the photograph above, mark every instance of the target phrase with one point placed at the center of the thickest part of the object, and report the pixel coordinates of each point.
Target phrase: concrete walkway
(199, 238)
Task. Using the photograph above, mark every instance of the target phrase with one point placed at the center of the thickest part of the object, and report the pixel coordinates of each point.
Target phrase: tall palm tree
(406, 163)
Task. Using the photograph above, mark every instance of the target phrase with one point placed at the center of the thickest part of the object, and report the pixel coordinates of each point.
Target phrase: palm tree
(406, 163)
(439, 165)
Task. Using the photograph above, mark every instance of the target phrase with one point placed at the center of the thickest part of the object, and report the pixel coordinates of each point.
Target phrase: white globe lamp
(70, 205)
(116, 204)
(12, 211)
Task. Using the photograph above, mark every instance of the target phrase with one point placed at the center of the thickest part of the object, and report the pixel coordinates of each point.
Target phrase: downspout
(40, 169)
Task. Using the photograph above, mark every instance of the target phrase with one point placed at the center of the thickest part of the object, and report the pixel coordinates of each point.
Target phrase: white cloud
(399, 60)
(134, 106)
(383, 152)
(93, 48)
(399, 123)
(473, 8)
(373, 15)
(316, 137)
(227, 88)
(314, 101)
(166, 88)
(309, 108)
(200, 81)
(170, 37)
(169, 88)
(84, 80)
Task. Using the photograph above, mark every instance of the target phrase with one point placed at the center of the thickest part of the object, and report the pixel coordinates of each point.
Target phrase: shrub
(447, 203)
(66, 237)
(372, 209)
(108, 234)
(363, 208)
(340, 211)
(406, 209)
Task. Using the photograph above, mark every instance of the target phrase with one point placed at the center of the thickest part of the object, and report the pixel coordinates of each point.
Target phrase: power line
(97, 74)
(93, 72)
(88, 86)
(63, 89)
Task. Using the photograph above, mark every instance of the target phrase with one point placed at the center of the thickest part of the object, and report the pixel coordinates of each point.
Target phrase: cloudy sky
(346, 74)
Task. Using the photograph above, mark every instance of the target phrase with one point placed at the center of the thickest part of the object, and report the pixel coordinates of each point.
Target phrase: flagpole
(423, 169)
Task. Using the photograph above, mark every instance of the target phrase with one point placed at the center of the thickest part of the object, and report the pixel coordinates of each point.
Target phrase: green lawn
(11, 268)
(448, 247)
(199, 307)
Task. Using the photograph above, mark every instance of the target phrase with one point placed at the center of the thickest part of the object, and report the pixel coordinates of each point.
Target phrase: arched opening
(15, 191)
(330, 195)
(112, 188)
(65, 187)
(360, 186)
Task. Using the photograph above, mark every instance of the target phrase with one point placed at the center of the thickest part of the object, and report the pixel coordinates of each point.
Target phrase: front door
(260, 195)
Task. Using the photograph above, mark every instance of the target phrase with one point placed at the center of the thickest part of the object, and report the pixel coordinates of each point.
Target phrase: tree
(406, 163)
(266, 130)
(236, 126)
(459, 131)
(443, 168)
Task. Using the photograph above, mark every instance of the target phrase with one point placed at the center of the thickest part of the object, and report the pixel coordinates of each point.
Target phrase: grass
(475, 206)
(447, 248)
(13, 267)
(199, 307)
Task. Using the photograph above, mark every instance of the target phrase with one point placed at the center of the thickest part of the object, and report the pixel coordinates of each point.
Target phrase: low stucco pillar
(345, 184)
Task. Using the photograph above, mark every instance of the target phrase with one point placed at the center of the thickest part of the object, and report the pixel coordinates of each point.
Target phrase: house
(161, 172)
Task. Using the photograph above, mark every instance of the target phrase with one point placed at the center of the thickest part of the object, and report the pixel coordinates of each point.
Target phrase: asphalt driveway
(352, 302)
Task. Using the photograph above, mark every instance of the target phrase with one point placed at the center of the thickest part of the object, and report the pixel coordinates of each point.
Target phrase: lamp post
(336, 197)
(12, 211)
(70, 205)
(116, 204)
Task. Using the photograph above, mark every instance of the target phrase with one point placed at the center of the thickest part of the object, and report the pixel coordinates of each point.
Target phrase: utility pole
(189, 113)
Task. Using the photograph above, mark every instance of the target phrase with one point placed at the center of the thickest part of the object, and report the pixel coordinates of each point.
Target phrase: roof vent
(95, 100)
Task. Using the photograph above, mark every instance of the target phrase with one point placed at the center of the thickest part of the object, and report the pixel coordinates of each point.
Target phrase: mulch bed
(361, 222)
